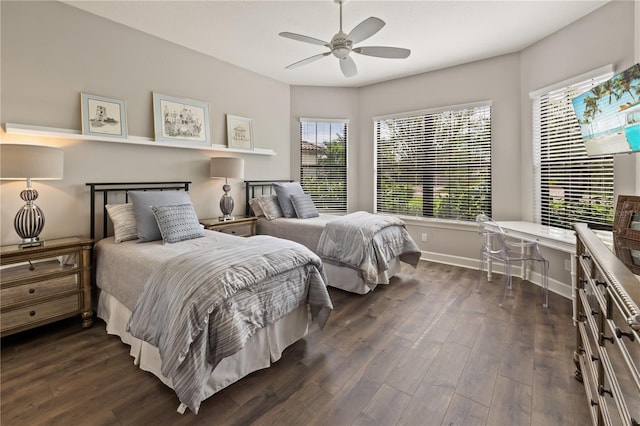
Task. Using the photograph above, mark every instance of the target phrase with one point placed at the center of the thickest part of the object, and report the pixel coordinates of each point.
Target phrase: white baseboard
(558, 287)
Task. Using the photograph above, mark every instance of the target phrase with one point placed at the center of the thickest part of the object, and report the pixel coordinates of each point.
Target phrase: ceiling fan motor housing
(340, 45)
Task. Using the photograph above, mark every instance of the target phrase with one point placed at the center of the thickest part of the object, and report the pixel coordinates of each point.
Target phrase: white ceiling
(440, 34)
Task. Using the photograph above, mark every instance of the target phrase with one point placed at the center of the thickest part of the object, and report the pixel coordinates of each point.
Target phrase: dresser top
(47, 245)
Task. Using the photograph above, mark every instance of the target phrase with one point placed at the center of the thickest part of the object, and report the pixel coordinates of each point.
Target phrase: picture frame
(180, 120)
(626, 221)
(239, 132)
(102, 116)
(628, 251)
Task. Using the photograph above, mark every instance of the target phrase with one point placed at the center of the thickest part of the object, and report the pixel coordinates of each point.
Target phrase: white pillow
(124, 222)
(177, 223)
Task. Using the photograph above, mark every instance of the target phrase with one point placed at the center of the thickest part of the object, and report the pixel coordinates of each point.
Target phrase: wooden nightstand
(243, 226)
(39, 285)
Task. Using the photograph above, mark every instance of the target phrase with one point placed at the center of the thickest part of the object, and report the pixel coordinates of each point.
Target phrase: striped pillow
(123, 218)
(303, 205)
(270, 206)
(177, 223)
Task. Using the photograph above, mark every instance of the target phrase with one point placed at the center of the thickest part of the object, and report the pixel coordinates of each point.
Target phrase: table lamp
(228, 168)
(30, 162)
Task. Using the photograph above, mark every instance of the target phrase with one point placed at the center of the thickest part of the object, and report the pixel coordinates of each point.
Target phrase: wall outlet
(424, 237)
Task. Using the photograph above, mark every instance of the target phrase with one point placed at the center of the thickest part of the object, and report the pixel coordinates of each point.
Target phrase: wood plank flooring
(425, 350)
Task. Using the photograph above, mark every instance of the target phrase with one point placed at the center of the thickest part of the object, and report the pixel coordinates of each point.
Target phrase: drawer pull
(31, 267)
(605, 337)
(594, 312)
(593, 403)
(620, 333)
(32, 313)
(32, 290)
(581, 350)
(634, 422)
(582, 316)
(602, 283)
(585, 256)
(602, 390)
(594, 358)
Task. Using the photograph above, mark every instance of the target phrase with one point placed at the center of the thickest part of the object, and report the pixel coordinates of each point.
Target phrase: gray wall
(51, 52)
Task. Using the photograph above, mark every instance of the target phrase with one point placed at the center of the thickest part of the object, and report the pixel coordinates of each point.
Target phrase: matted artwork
(103, 116)
(239, 132)
(180, 120)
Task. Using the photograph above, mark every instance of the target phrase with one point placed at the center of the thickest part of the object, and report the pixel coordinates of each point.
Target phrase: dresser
(607, 352)
(40, 285)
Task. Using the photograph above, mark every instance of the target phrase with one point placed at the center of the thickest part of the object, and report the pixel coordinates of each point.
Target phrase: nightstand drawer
(36, 290)
(242, 230)
(38, 268)
(39, 312)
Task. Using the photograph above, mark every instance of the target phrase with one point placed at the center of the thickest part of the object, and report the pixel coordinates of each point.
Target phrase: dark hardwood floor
(425, 350)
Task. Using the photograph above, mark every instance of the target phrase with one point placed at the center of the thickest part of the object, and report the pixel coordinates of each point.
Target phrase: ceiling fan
(341, 45)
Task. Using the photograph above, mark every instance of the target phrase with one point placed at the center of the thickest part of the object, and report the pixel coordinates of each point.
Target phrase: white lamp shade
(21, 162)
(227, 167)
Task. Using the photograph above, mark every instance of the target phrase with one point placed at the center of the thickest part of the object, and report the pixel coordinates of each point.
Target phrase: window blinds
(435, 163)
(323, 163)
(569, 186)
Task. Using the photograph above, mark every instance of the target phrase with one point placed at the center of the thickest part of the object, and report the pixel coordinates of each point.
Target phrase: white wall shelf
(52, 132)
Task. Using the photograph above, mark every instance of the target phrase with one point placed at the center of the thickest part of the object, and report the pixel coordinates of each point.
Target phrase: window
(323, 163)
(435, 163)
(569, 186)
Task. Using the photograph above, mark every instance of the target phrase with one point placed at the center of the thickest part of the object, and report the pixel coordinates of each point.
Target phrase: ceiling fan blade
(348, 67)
(307, 60)
(365, 29)
(304, 38)
(383, 52)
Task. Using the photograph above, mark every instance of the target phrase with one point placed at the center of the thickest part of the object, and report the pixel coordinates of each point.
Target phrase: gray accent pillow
(177, 223)
(145, 220)
(284, 190)
(270, 206)
(303, 204)
(124, 222)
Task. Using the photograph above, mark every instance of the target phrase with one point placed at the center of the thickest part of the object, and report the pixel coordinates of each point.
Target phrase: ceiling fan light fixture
(341, 52)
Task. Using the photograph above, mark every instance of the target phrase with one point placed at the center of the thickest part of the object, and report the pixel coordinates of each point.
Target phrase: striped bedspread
(202, 306)
(367, 242)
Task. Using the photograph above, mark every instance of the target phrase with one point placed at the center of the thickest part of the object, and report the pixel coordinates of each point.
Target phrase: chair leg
(482, 263)
(545, 283)
(507, 283)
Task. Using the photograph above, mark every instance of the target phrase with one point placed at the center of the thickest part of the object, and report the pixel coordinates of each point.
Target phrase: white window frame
(562, 90)
(425, 113)
(345, 122)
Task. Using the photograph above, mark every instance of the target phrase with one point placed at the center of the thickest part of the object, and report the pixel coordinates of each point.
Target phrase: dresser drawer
(40, 312)
(37, 290)
(241, 230)
(25, 271)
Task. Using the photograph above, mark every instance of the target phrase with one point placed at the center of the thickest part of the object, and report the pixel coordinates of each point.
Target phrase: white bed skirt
(349, 279)
(265, 347)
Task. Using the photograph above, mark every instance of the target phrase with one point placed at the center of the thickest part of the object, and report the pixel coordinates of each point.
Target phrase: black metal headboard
(253, 188)
(108, 188)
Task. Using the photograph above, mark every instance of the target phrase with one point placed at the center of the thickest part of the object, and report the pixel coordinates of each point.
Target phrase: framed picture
(103, 116)
(626, 222)
(628, 251)
(180, 120)
(239, 132)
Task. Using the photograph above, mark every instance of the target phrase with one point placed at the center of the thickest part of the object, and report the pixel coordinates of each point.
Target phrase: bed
(388, 245)
(216, 342)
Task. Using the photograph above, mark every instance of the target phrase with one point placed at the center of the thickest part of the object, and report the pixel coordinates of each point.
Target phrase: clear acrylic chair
(496, 248)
